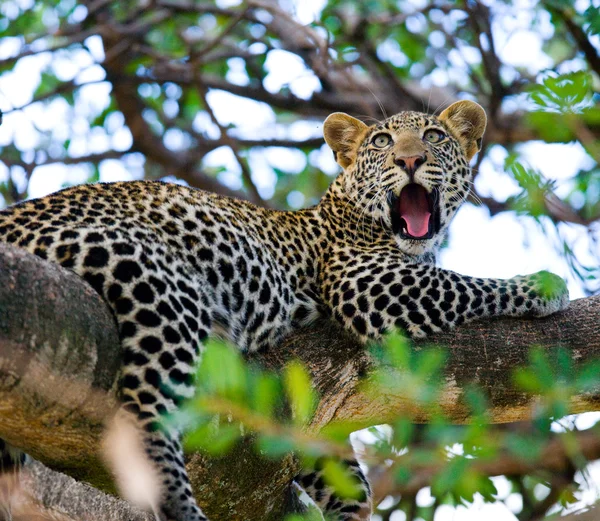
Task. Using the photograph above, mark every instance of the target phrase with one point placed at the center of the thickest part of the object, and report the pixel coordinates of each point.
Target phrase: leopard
(176, 265)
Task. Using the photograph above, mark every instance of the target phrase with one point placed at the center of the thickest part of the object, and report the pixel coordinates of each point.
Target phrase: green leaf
(430, 362)
(345, 483)
(549, 285)
(192, 103)
(339, 431)
(592, 19)
(525, 447)
(588, 377)
(402, 474)
(563, 93)
(265, 394)
(551, 126)
(463, 482)
(215, 439)
(275, 446)
(476, 401)
(313, 514)
(448, 479)
(300, 393)
(403, 432)
(540, 364)
(223, 371)
(398, 350)
(526, 380)
(48, 84)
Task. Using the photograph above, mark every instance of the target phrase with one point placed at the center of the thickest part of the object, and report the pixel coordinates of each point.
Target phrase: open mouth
(415, 212)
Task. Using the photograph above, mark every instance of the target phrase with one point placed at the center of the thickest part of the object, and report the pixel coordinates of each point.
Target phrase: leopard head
(409, 174)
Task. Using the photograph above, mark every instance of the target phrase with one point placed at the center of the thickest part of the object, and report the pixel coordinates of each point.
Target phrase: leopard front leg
(383, 294)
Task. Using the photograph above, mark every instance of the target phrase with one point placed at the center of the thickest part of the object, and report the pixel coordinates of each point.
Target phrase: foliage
(458, 463)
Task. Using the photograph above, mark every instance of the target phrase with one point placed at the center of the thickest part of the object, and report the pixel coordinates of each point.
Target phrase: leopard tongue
(414, 209)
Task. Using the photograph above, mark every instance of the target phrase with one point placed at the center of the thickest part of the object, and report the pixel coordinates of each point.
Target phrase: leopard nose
(410, 163)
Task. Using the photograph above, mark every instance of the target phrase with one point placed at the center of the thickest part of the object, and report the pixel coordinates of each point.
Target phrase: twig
(554, 458)
(227, 140)
(63, 88)
(196, 57)
(91, 158)
(555, 207)
(578, 34)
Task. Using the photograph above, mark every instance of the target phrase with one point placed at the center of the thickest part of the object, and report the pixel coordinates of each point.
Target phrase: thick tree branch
(183, 165)
(59, 358)
(357, 99)
(47, 495)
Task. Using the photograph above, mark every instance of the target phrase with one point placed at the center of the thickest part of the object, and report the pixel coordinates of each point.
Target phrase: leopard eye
(381, 140)
(433, 135)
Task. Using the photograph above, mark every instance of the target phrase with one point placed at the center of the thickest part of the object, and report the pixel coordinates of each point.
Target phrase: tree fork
(59, 360)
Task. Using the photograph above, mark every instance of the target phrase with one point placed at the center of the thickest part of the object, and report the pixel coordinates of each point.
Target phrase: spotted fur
(177, 264)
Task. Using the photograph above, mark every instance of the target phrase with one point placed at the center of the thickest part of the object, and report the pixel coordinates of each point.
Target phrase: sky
(479, 245)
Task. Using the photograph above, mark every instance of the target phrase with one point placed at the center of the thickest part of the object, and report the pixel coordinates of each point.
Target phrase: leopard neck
(349, 222)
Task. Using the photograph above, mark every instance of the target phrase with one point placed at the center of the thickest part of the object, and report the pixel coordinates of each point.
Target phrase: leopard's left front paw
(549, 292)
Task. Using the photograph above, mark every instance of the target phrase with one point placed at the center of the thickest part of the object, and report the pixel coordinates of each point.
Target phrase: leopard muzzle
(415, 213)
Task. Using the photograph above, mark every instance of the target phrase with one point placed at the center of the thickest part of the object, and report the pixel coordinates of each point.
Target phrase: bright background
(479, 245)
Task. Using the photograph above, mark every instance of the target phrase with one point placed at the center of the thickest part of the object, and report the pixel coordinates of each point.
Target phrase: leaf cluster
(458, 463)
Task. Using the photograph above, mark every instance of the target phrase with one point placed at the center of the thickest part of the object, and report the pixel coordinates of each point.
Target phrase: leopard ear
(344, 134)
(466, 120)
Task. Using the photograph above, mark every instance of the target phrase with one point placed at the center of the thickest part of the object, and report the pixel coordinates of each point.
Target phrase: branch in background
(316, 142)
(507, 129)
(342, 90)
(555, 458)
(145, 141)
(70, 160)
(578, 34)
(558, 483)
(227, 140)
(586, 137)
(590, 513)
(65, 42)
(191, 6)
(129, 103)
(556, 209)
(481, 18)
(63, 88)
(195, 58)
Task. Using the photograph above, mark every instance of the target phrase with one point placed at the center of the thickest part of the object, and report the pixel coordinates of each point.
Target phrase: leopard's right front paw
(549, 293)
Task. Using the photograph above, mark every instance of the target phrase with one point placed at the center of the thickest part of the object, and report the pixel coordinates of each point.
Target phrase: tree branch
(554, 458)
(578, 34)
(59, 359)
(226, 139)
(555, 207)
(507, 128)
(47, 495)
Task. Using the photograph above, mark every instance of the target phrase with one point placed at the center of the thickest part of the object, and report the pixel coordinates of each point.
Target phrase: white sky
(501, 246)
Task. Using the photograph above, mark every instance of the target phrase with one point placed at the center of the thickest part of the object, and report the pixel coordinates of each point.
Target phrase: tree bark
(59, 360)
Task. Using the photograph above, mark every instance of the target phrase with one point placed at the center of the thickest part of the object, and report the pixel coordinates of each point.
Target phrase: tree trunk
(59, 360)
